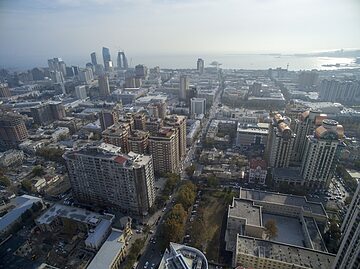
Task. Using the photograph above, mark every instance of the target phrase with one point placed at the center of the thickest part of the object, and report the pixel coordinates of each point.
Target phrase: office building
(184, 87)
(200, 65)
(106, 55)
(348, 256)
(108, 66)
(164, 149)
(104, 88)
(80, 92)
(101, 175)
(118, 135)
(122, 62)
(179, 256)
(179, 123)
(139, 142)
(57, 64)
(86, 75)
(345, 92)
(93, 59)
(280, 142)
(12, 130)
(321, 154)
(141, 71)
(197, 106)
(108, 118)
(4, 90)
(250, 135)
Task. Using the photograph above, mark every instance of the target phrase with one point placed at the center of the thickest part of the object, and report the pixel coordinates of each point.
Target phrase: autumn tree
(271, 228)
(174, 225)
(186, 195)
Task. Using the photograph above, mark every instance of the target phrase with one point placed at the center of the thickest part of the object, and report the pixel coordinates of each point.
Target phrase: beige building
(139, 142)
(321, 154)
(103, 176)
(178, 122)
(164, 148)
(118, 135)
(280, 142)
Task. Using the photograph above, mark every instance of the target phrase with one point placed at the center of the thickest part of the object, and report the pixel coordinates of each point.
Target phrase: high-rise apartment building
(153, 125)
(179, 123)
(101, 175)
(107, 118)
(200, 65)
(4, 90)
(197, 106)
(118, 135)
(280, 142)
(321, 154)
(348, 256)
(164, 148)
(93, 59)
(12, 130)
(80, 92)
(305, 125)
(157, 109)
(139, 121)
(139, 142)
(48, 113)
(104, 88)
(346, 92)
(184, 87)
(308, 78)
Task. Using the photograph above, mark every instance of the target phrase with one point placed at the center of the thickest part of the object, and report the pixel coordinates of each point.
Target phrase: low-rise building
(257, 171)
(20, 205)
(183, 257)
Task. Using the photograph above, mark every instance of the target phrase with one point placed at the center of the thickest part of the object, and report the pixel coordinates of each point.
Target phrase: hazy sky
(35, 30)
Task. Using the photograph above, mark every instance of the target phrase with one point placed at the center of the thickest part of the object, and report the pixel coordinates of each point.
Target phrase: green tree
(348, 200)
(212, 181)
(51, 154)
(4, 181)
(186, 195)
(38, 171)
(190, 170)
(174, 225)
(26, 185)
(271, 228)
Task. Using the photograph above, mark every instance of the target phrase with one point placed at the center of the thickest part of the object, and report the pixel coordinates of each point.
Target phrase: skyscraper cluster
(311, 150)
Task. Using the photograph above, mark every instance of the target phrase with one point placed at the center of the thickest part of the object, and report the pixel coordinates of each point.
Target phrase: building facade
(103, 176)
(321, 154)
(12, 130)
(164, 148)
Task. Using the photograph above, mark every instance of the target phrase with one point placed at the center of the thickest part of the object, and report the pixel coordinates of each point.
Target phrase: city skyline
(182, 28)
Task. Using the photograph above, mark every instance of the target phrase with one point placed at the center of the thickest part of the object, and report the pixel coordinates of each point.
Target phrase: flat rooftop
(283, 199)
(284, 253)
(74, 213)
(289, 230)
(108, 251)
(246, 209)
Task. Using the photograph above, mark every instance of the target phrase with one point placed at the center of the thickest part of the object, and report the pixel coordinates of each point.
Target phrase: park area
(207, 223)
